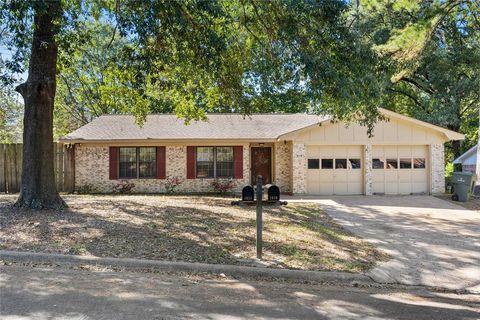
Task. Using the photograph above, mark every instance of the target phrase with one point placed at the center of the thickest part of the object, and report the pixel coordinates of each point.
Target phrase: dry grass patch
(181, 228)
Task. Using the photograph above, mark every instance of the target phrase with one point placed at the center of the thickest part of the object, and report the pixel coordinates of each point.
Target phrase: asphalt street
(64, 293)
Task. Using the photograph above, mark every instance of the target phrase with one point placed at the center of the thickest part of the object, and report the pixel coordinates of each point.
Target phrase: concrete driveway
(431, 241)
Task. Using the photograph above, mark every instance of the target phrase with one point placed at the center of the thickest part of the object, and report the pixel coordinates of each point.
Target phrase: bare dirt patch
(185, 228)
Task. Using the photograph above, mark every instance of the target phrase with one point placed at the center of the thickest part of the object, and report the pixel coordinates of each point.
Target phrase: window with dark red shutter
(238, 162)
(113, 166)
(191, 162)
(161, 163)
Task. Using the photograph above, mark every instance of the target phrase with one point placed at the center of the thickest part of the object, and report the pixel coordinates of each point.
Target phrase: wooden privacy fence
(11, 167)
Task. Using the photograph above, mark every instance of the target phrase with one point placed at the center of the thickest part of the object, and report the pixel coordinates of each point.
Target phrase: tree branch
(413, 98)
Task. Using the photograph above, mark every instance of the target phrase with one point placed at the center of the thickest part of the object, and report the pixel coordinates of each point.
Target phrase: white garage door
(399, 169)
(334, 170)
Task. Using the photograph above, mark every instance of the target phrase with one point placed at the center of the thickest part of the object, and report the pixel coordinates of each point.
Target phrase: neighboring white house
(468, 160)
(302, 154)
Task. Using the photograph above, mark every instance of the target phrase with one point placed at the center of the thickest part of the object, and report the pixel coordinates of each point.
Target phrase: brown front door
(261, 163)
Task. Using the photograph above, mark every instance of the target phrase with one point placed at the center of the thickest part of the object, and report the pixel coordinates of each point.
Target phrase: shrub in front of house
(222, 186)
(123, 187)
(86, 189)
(172, 183)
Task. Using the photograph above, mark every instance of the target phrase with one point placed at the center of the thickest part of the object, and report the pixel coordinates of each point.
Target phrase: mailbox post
(259, 217)
(273, 199)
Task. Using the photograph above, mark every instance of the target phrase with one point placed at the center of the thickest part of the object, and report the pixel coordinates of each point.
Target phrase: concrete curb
(316, 276)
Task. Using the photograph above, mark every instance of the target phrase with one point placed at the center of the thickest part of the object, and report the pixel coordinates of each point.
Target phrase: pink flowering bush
(222, 186)
(123, 186)
(172, 183)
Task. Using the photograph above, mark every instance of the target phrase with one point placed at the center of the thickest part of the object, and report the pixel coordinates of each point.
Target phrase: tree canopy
(432, 49)
(343, 58)
(191, 57)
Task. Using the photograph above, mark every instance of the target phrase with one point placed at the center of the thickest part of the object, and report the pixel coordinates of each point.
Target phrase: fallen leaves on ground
(186, 228)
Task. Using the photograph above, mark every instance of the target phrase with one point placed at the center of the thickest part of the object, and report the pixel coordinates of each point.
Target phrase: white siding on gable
(395, 131)
(471, 160)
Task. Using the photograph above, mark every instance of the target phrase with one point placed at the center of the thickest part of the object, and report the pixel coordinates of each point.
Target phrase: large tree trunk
(38, 188)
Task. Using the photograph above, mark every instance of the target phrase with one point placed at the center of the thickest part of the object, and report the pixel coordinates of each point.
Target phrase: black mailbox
(273, 193)
(248, 193)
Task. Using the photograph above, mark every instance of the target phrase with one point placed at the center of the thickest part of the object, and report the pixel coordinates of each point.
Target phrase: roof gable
(360, 132)
(449, 134)
(470, 154)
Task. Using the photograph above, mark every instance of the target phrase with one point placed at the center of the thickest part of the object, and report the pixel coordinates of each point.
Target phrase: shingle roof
(169, 127)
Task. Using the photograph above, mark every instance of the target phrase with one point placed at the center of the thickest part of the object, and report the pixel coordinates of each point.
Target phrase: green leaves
(193, 57)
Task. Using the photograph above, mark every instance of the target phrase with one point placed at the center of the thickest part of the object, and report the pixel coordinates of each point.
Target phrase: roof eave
(72, 141)
(470, 152)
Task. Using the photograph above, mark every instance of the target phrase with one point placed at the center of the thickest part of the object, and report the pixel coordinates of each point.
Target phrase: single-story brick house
(302, 154)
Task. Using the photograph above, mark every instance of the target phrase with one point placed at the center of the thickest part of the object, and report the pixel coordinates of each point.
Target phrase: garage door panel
(378, 187)
(405, 151)
(400, 175)
(418, 187)
(391, 175)
(355, 175)
(326, 175)
(313, 152)
(391, 188)
(342, 178)
(326, 188)
(419, 175)
(313, 187)
(404, 187)
(340, 188)
(325, 152)
(313, 175)
(405, 175)
(419, 151)
(355, 188)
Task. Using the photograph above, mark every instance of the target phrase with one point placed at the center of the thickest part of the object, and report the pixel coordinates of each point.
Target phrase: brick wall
(437, 168)
(283, 166)
(367, 155)
(299, 168)
(92, 169)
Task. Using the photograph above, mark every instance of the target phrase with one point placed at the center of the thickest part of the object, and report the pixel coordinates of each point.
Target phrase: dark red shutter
(113, 163)
(191, 162)
(161, 164)
(238, 162)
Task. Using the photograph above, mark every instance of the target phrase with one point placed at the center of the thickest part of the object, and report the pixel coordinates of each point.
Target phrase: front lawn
(185, 228)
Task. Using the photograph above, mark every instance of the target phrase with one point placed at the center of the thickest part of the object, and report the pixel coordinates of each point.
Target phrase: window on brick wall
(214, 162)
(137, 162)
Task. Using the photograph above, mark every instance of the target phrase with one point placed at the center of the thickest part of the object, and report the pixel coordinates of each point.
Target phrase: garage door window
(405, 163)
(419, 163)
(354, 164)
(313, 164)
(392, 164)
(340, 163)
(377, 164)
(327, 163)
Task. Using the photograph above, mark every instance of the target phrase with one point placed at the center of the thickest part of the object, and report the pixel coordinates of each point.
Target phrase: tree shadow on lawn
(186, 232)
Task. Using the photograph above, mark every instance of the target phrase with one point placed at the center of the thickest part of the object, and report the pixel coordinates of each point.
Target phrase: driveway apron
(431, 242)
